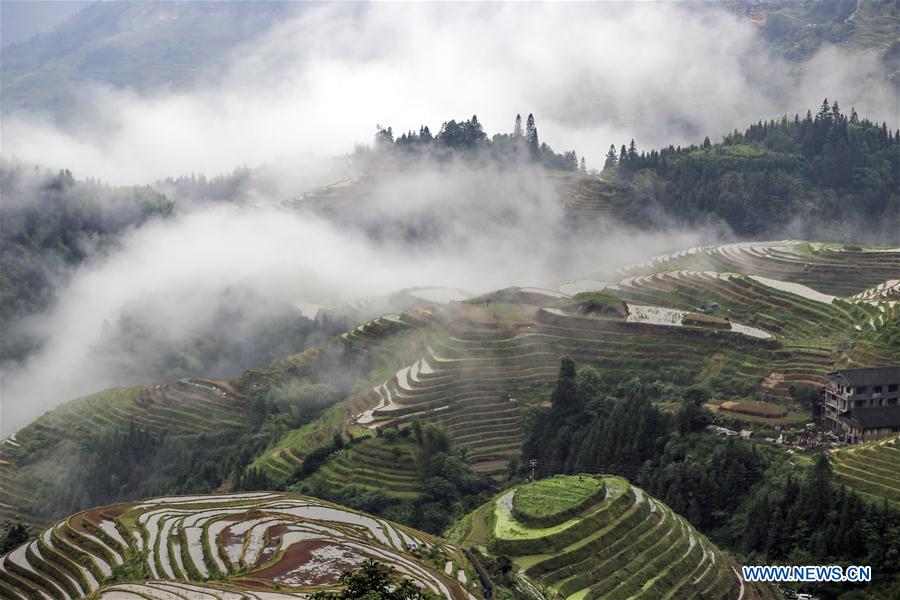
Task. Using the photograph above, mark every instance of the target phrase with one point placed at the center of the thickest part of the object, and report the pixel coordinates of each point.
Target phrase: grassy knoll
(551, 501)
(621, 542)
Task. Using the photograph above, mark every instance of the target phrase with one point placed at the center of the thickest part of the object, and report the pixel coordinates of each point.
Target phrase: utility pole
(532, 463)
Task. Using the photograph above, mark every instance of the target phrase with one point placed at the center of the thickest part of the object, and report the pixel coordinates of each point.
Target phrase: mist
(316, 85)
(452, 225)
(593, 75)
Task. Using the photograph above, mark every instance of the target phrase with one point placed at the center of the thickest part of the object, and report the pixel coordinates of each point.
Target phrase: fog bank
(593, 74)
(449, 226)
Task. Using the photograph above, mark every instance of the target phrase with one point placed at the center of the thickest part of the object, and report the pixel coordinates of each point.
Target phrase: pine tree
(632, 152)
(517, 129)
(824, 114)
(623, 156)
(383, 137)
(774, 546)
(531, 136)
(611, 158)
(583, 167)
(565, 398)
(474, 133)
(706, 143)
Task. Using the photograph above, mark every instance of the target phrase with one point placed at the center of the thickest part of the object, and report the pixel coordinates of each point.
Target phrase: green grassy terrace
(374, 465)
(871, 469)
(600, 537)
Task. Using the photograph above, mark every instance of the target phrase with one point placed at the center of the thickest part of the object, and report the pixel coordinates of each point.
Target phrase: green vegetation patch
(507, 528)
(871, 469)
(551, 501)
(514, 538)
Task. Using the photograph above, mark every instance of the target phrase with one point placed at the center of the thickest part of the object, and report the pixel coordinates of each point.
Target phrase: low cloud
(450, 225)
(593, 74)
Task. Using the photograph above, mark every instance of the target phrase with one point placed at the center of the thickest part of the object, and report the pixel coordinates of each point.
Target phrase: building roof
(874, 376)
(876, 417)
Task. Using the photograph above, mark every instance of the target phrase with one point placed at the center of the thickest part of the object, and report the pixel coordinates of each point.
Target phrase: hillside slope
(142, 45)
(753, 322)
(255, 543)
(832, 174)
(584, 537)
(871, 469)
(753, 325)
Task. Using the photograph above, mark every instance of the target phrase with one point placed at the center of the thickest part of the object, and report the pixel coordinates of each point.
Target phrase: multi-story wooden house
(862, 405)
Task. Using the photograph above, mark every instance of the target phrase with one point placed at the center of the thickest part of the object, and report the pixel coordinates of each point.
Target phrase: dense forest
(467, 139)
(827, 171)
(51, 223)
(749, 498)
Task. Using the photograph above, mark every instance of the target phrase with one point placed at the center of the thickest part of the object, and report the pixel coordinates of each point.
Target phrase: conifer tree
(611, 158)
(583, 167)
(531, 136)
(517, 129)
(565, 397)
(383, 137)
(474, 132)
(824, 114)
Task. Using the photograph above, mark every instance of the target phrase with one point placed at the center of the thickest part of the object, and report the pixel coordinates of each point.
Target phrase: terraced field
(479, 355)
(338, 199)
(814, 335)
(829, 268)
(250, 544)
(588, 199)
(191, 406)
(374, 465)
(621, 544)
(750, 318)
(871, 469)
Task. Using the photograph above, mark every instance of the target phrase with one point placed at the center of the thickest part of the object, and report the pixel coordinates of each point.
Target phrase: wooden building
(862, 405)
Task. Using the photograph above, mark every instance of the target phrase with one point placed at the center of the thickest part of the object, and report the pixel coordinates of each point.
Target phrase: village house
(862, 405)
